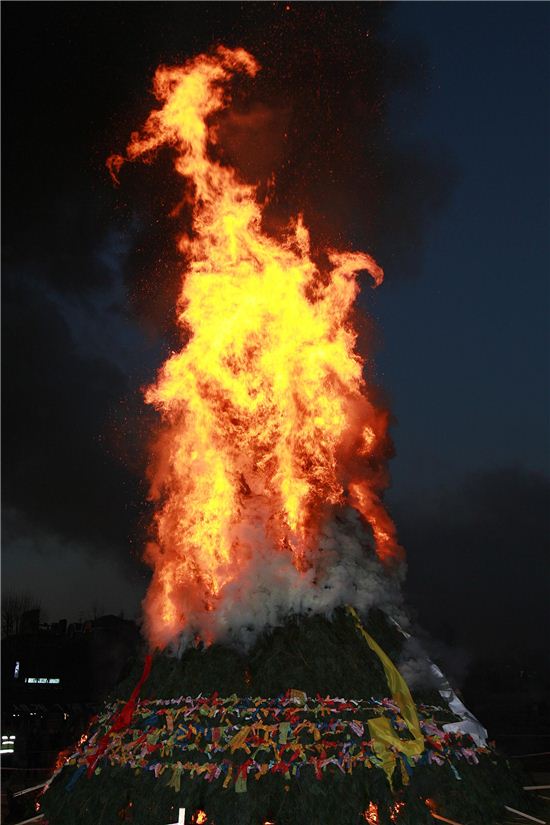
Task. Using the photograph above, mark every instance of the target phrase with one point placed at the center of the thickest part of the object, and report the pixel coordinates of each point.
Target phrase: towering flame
(266, 418)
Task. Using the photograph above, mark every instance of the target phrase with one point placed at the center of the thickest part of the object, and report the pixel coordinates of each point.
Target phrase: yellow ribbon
(176, 777)
(227, 779)
(382, 733)
(239, 739)
(297, 697)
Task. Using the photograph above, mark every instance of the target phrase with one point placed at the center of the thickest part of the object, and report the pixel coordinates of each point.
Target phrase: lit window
(7, 743)
(42, 680)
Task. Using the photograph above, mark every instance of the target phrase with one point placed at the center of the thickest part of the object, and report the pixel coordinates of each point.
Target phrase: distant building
(53, 677)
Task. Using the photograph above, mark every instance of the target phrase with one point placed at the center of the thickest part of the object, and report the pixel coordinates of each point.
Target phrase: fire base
(312, 753)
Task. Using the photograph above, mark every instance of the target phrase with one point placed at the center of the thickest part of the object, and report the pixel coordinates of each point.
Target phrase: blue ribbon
(75, 777)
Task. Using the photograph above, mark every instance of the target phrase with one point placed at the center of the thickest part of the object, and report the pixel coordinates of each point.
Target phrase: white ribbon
(468, 722)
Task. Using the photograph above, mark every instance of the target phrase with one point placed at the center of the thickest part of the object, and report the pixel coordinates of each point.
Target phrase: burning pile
(224, 733)
(268, 472)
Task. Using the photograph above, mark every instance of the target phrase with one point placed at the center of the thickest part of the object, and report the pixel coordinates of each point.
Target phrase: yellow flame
(266, 415)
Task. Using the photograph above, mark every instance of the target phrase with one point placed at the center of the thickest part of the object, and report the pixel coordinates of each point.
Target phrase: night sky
(416, 131)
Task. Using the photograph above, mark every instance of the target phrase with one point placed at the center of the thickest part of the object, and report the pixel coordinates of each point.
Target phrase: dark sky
(418, 131)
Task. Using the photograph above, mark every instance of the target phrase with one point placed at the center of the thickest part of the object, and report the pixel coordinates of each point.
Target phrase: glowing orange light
(371, 814)
(62, 757)
(396, 808)
(201, 818)
(267, 419)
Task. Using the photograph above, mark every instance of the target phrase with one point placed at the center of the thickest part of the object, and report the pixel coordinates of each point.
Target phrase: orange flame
(267, 420)
(62, 757)
(396, 809)
(371, 814)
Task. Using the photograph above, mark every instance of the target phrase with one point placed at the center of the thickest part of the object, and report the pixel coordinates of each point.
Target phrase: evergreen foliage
(316, 656)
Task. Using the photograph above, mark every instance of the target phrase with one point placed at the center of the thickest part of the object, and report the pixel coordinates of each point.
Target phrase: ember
(396, 810)
(371, 814)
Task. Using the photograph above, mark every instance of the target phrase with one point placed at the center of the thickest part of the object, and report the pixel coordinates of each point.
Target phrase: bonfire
(272, 691)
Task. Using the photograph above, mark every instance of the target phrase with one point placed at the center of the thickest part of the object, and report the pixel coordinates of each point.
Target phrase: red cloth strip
(121, 719)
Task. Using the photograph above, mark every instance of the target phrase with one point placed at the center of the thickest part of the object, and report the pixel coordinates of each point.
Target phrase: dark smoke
(478, 563)
(85, 320)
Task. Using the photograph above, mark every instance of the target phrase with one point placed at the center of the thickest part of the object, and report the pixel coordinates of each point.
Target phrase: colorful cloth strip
(241, 738)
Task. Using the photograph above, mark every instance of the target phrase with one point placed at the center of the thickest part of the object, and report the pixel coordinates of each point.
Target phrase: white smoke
(270, 589)
(416, 667)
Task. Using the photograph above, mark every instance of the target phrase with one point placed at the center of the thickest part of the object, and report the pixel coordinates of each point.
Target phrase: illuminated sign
(8, 744)
(42, 680)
